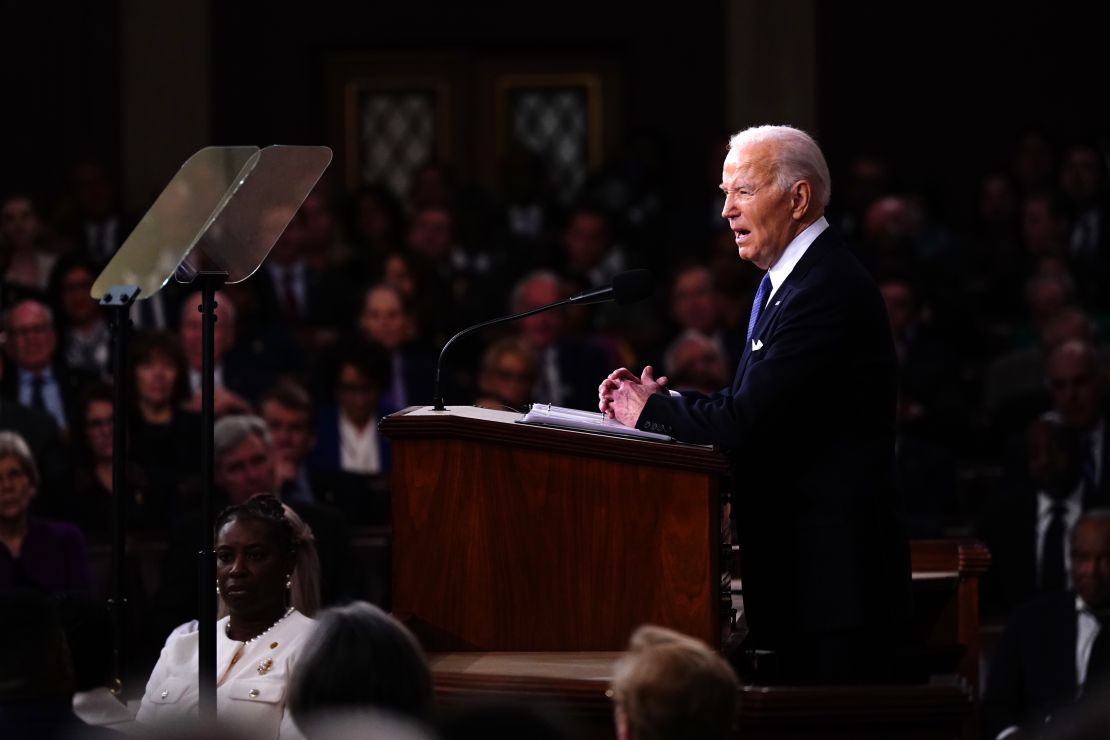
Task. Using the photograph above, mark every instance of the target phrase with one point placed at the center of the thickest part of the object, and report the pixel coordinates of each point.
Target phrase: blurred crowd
(997, 308)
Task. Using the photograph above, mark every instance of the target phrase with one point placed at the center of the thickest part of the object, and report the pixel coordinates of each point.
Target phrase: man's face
(1090, 562)
(585, 240)
(32, 339)
(383, 319)
(430, 234)
(290, 430)
(542, 329)
(692, 301)
(19, 224)
(357, 395)
(76, 303)
(1053, 460)
(758, 211)
(1075, 386)
(698, 362)
(192, 325)
(246, 470)
(510, 379)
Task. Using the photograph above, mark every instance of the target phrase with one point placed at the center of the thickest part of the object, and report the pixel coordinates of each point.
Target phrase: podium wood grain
(519, 538)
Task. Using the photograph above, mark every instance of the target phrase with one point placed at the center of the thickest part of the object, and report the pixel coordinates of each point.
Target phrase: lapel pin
(265, 666)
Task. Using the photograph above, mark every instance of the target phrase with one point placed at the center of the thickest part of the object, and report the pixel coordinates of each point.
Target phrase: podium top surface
(504, 427)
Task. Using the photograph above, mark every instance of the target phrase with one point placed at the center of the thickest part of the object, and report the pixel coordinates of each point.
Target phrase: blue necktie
(757, 304)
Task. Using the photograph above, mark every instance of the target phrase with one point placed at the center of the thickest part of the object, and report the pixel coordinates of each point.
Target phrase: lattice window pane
(552, 123)
(397, 135)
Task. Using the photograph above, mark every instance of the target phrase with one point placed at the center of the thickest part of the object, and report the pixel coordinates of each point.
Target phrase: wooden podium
(513, 537)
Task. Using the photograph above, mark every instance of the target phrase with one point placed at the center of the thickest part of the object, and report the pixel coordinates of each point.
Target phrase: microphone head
(632, 286)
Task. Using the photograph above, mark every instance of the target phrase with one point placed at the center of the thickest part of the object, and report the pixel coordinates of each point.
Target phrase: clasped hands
(622, 395)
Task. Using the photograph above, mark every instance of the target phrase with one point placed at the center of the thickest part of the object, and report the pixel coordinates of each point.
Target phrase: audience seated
(35, 554)
(232, 383)
(38, 378)
(387, 320)
(669, 686)
(245, 466)
(1077, 387)
(85, 337)
(90, 502)
(38, 430)
(347, 437)
(28, 250)
(258, 643)
(695, 362)
(1056, 649)
(569, 366)
(995, 317)
(360, 658)
(1027, 527)
(508, 374)
(164, 438)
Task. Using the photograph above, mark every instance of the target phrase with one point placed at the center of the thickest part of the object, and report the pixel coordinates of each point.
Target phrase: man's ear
(801, 194)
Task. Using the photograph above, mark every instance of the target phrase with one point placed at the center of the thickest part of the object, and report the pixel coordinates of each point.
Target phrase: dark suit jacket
(1032, 672)
(71, 383)
(809, 426)
(1008, 526)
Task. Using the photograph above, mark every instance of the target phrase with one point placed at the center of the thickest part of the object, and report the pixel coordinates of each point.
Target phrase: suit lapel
(814, 254)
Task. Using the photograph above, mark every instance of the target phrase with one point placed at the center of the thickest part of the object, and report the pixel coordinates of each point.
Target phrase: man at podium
(808, 424)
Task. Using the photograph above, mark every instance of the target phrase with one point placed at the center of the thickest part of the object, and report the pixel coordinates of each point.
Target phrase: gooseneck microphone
(627, 287)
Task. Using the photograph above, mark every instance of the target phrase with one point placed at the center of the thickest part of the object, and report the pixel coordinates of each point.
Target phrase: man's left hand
(629, 396)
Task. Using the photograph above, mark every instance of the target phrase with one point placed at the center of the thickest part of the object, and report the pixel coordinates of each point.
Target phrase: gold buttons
(165, 694)
(265, 666)
(273, 645)
(253, 693)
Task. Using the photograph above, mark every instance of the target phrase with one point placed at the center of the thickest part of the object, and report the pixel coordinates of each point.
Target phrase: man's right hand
(625, 403)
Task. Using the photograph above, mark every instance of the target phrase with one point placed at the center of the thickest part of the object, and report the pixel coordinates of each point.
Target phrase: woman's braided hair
(291, 535)
(267, 509)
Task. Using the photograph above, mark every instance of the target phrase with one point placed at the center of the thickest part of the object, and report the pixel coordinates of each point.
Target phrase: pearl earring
(289, 581)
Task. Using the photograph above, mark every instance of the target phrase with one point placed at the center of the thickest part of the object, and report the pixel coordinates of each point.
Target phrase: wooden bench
(575, 685)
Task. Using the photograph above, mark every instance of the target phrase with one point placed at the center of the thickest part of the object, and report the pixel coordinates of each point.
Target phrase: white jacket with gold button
(251, 693)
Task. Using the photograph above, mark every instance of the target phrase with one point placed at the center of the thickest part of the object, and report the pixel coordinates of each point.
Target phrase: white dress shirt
(1086, 631)
(793, 254)
(1073, 507)
(358, 448)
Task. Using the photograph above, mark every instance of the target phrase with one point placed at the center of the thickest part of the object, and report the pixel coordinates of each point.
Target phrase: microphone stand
(439, 363)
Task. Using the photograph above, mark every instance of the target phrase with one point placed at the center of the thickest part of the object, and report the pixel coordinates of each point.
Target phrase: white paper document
(545, 414)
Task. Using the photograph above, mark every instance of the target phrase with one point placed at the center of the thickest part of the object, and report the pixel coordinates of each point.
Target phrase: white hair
(230, 432)
(516, 297)
(796, 157)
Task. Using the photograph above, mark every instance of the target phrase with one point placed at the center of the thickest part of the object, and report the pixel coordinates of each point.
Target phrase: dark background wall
(59, 87)
(269, 67)
(944, 90)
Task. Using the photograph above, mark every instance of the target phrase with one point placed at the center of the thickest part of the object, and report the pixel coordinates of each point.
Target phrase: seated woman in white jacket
(267, 576)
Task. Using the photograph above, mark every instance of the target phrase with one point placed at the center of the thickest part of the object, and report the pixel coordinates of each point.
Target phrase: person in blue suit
(808, 424)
